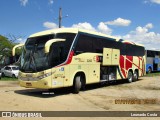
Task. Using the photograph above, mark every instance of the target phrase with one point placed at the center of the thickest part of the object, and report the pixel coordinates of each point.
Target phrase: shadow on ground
(64, 91)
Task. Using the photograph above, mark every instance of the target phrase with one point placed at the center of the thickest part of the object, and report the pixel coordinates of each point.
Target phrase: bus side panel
(58, 77)
(118, 75)
(86, 63)
(94, 73)
(123, 66)
(74, 69)
(67, 75)
(144, 58)
(139, 64)
(132, 63)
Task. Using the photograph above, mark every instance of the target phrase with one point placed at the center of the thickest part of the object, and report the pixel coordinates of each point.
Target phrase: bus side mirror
(50, 42)
(14, 48)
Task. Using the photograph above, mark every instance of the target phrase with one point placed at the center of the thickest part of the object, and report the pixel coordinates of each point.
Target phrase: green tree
(6, 46)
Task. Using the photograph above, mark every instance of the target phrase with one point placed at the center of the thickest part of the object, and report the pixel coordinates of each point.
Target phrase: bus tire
(77, 84)
(130, 76)
(135, 76)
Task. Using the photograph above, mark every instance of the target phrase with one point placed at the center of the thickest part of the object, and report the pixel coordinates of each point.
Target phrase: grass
(8, 79)
(153, 74)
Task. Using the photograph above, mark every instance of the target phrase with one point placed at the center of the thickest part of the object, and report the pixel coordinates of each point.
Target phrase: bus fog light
(45, 83)
(44, 76)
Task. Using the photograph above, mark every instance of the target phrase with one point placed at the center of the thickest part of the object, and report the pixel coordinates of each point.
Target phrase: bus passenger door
(58, 58)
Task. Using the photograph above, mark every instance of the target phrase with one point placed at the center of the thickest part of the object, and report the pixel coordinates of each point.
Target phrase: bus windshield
(34, 58)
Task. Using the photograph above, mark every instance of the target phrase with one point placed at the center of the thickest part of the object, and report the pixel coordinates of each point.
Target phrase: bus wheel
(135, 76)
(130, 76)
(77, 84)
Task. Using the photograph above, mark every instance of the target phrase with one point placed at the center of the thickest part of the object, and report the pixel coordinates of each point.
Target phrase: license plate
(28, 84)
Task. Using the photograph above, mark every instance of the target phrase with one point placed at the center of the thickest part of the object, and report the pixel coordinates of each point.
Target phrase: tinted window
(59, 50)
(7, 68)
(39, 42)
(69, 37)
(100, 43)
(15, 68)
(93, 44)
(122, 48)
(134, 50)
(151, 53)
(88, 43)
(109, 43)
(84, 44)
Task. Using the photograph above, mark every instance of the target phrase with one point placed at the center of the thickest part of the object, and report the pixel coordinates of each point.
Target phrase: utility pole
(60, 17)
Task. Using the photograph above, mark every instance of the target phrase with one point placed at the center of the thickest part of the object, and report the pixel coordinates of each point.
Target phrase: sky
(134, 20)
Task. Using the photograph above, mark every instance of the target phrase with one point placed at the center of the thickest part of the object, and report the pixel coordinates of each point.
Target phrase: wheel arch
(78, 73)
(129, 70)
(137, 71)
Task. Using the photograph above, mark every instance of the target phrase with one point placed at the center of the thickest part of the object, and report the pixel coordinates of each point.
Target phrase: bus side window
(84, 44)
(61, 53)
(132, 50)
(98, 45)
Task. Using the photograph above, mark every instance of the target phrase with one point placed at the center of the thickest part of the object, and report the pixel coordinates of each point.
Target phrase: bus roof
(54, 31)
(69, 30)
(154, 50)
(76, 30)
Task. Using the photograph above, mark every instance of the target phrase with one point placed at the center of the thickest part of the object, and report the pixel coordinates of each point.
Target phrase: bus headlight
(35, 78)
(45, 75)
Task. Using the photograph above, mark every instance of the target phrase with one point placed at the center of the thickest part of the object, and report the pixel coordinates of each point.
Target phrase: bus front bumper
(42, 84)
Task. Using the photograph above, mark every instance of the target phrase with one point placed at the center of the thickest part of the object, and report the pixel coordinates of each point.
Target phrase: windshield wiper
(29, 63)
(33, 61)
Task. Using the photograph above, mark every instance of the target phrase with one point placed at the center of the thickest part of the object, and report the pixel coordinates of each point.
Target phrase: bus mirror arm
(14, 48)
(50, 42)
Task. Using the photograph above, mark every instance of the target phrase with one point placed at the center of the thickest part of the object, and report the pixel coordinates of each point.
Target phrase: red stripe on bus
(122, 65)
(69, 60)
(128, 63)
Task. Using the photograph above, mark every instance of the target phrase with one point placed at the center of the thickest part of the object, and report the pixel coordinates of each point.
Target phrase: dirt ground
(142, 95)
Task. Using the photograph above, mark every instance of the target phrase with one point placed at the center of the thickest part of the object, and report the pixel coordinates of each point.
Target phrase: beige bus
(71, 57)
